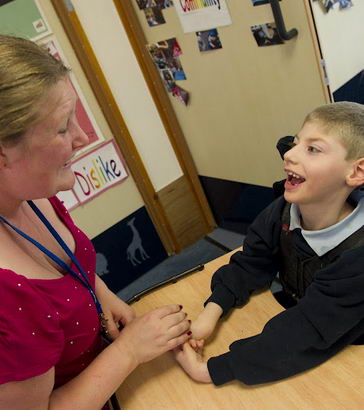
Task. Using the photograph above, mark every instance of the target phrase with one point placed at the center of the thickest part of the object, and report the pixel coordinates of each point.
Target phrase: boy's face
(316, 167)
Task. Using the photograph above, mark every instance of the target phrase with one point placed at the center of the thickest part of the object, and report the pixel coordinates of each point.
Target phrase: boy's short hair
(346, 120)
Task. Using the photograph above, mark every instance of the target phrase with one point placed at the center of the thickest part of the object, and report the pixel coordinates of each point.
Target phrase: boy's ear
(356, 175)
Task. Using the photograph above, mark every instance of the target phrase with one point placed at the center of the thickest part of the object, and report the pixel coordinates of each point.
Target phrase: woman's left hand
(116, 311)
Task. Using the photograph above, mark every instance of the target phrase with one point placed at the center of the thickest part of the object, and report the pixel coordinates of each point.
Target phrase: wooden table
(162, 384)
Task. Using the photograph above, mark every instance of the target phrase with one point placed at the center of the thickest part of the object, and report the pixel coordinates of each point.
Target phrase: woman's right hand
(154, 333)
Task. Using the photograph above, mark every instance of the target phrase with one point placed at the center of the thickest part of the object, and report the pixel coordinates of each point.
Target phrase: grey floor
(216, 243)
(229, 239)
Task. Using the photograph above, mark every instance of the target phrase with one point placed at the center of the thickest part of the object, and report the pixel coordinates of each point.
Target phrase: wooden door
(343, 54)
(244, 97)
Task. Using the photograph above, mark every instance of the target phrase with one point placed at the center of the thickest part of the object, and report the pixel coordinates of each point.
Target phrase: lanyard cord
(60, 241)
(84, 279)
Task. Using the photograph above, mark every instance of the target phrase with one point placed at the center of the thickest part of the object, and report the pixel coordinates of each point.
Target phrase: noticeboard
(23, 18)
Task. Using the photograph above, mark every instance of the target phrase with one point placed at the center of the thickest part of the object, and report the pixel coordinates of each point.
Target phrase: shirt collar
(323, 240)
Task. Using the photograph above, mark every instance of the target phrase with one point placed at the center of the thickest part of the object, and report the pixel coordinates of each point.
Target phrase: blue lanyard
(83, 278)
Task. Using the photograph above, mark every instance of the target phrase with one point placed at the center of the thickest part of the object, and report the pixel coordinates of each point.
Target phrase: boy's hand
(197, 345)
(192, 363)
(202, 327)
(205, 323)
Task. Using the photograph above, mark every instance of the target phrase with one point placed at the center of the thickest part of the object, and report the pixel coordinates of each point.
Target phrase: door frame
(156, 204)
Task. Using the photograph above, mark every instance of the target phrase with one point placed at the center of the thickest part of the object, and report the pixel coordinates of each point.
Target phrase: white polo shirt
(324, 240)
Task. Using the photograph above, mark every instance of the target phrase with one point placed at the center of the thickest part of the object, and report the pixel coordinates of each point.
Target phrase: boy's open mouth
(294, 179)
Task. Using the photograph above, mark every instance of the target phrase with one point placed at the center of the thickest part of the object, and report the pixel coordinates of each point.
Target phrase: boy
(314, 237)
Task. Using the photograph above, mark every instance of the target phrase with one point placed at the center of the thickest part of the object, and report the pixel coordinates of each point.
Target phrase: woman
(51, 353)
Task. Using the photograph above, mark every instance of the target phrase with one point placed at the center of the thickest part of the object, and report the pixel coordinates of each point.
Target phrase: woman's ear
(3, 159)
(356, 176)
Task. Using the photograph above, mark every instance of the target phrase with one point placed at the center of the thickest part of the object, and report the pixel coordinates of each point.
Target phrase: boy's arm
(252, 269)
(255, 267)
(205, 323)
(328, 318)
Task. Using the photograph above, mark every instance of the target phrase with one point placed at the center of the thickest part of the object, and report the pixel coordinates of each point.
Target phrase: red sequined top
(49, 322)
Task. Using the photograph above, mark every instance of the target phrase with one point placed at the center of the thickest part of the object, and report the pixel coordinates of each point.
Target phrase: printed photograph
(344, 4)
(327, 5)
(147, 4)
(165, 55)
(163, 4)
(181, 94)
(154, 16)
(266, 35)
(167, 77)
(208, 40)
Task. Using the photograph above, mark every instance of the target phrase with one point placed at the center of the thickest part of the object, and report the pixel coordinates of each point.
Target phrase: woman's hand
(154, 333)
(192, 363)
(117, 312)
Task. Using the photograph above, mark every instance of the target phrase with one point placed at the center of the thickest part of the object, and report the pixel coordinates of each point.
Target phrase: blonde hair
(344, 119)
(27, 71)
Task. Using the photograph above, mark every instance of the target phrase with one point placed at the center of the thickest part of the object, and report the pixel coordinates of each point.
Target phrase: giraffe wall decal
(101, 264)
(135, 245)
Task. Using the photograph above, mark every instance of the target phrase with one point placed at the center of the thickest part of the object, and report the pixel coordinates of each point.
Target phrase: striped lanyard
(82, 277)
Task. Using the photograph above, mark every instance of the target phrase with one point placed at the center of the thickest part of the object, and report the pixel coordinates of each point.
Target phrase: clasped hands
(160, 330)
(167, 328)
(189, 355)
(185, 340)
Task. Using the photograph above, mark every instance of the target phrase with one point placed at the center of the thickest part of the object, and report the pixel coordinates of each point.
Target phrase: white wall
(107, 36)
(105, 210)
(341, 34)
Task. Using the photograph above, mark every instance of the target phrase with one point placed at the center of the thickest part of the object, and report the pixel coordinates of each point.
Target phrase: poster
(97, 171)
(127, 250)
(83, 112)
(198, 15)
(94, 172)
(23, 18)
